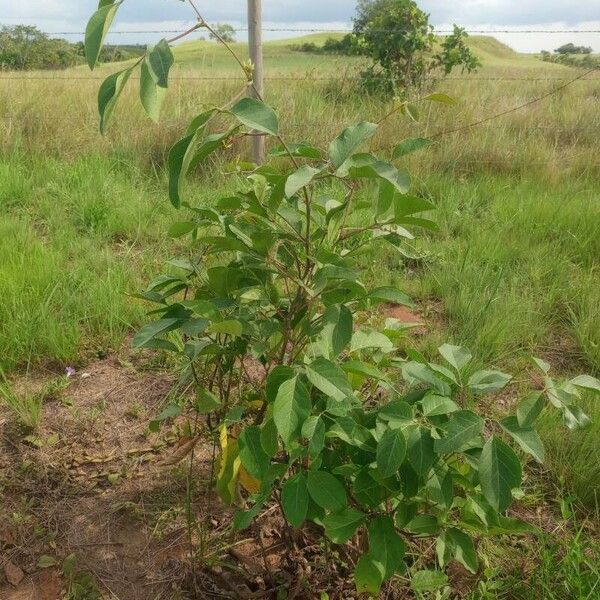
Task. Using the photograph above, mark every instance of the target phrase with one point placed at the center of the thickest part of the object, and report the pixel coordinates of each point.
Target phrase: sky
(140, 15)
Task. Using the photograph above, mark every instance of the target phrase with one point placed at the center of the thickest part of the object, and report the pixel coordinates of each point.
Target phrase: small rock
(14, 574)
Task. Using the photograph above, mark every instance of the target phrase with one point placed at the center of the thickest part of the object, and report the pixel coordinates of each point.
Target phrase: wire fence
(560, 83)
(331, 30)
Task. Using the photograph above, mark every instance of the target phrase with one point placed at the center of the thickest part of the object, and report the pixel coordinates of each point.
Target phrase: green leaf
(367, 491)
(486, 382)
(416, 372)
(329, 378)
(348, 141)
(420, 450)
(396, 410)
(243, 518)
(441, 98)
(587, 382)
(185, 153)
(150, 331)
(160, 61)
(337, 330)
(182, 228)
(326, 490)
(462, 427)
(542, 364)
(291, 408)
(96, 31)
(151, 95)
(206, 401)
(463, 548)
(434, 405)
(574, 417)
(45, 561)
(499, 473)
(357, 367)
(252, 454)
(409, 146)
(275, 378)
(268, 438)
(368, 575)
(457, 356)
(423, 525)
(301, 150)
(229, 327)
(109, 93)
(314, 431)
(366, 166)
(299, 179)
(294, 499)
(424, 581)
(530, 408)
(391, 451)
(361, 340)
(526, 437)
(340, 527)
(256, 115)
(180, 156)
(385, 545)
(390, 294)
(349, 431)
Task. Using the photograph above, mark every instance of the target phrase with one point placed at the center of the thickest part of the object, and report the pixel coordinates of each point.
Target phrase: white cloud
(71, 15)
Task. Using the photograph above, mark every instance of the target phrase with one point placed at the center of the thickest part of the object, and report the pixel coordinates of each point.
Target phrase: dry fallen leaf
(182, 451)
(14, 574)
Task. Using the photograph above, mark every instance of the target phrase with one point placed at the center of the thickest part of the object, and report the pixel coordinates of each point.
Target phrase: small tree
(397, 35)
(25, 47)
(571, 48)
(223, 32)
(335, 426)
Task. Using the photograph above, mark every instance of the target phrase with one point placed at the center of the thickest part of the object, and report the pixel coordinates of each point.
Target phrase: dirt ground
(95, 484)
(93, 506)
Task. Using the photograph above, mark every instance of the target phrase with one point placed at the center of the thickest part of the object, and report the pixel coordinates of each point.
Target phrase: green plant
(223, 31)
(26, 407)
(269, 317)
(80, 585)
(396, 34)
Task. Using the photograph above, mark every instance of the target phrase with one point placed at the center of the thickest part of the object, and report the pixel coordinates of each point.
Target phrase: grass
(562, 569)
(27, 408)
(72, 241)
(512, 272)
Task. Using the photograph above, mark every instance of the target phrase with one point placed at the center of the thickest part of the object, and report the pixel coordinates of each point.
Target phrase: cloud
(71, 15)
(467, 12)
(511, 12)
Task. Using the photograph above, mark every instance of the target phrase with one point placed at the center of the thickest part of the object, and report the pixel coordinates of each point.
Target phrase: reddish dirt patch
(405, 315)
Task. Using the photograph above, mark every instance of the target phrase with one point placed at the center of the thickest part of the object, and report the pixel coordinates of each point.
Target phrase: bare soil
(95, 483)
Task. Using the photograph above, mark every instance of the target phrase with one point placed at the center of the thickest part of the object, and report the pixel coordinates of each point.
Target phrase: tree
(571, 48)
(323, 429)
(224, 31)
(398, 37)
(25, 47)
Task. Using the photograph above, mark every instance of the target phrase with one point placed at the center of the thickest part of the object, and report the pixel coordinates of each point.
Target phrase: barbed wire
(332, 30)
(284, 78)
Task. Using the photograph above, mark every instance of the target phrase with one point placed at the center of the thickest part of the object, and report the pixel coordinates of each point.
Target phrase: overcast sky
(71, 15)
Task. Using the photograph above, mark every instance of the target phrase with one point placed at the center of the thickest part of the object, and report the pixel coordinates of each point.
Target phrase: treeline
(24, 48)
(346, 46)
(572, 56)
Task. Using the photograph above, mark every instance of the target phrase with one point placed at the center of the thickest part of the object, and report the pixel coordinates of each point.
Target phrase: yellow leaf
(230, 466)
(249, 483)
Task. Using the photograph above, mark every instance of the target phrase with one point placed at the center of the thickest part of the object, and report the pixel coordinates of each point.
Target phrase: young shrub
(306, 400)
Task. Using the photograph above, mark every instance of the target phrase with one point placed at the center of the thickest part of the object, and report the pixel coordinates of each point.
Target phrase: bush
(23, 48)
(313, 407)
(397, 35)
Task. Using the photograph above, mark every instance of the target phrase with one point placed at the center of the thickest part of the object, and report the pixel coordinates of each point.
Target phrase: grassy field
(513, 271)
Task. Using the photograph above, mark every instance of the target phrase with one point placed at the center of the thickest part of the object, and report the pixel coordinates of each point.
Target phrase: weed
(27, 408)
